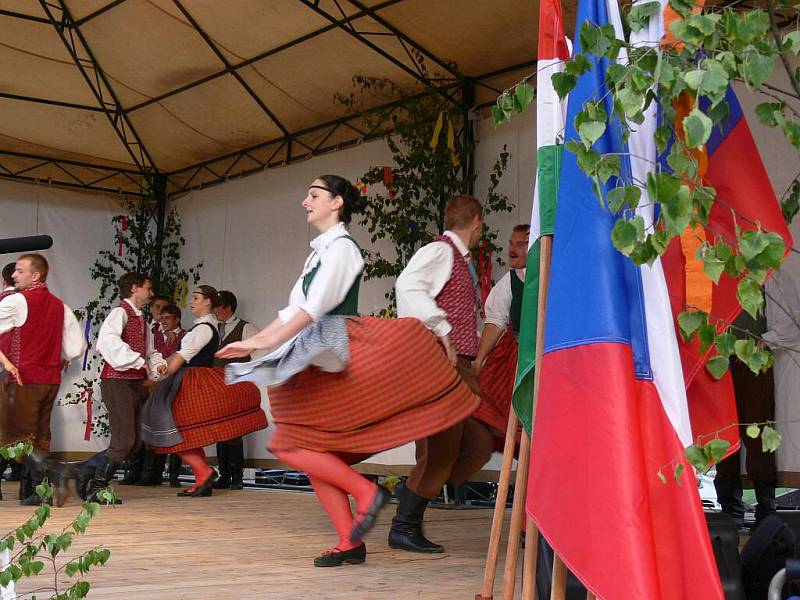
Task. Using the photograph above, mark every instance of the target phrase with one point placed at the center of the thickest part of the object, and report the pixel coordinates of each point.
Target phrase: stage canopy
(98, 93)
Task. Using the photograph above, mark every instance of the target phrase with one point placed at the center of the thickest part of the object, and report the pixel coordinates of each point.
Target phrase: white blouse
(423, 278)
(14, 313)
(196, 339)
(498, 304)
(116, 352)
(340, 264)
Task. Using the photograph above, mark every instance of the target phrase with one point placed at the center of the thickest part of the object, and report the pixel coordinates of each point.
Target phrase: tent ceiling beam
(99, 12)
(84, 59)
(404, 39)
(229, 67)
(23, 16)
(363, 38)
(50, 102)
(254, 59)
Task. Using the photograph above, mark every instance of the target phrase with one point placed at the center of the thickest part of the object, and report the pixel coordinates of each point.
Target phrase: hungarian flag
(612, 417)
(550, 113)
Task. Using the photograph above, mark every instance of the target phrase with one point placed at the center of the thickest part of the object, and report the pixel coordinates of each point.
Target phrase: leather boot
(236, 462)
(25, 487)
(3, 465)
(103, 475)
(35, 475)
(151, 473)
(85, 470)
(133, 469)
(174, 471)
(16, 471)
(223, 482)
(406, 532)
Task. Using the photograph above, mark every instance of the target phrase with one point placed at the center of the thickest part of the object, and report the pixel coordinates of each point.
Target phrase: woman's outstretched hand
(234, 350)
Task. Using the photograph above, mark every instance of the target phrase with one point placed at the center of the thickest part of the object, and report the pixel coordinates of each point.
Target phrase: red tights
(196, 459)
(333, 479)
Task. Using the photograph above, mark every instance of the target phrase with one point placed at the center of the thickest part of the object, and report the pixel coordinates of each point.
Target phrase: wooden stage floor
(256, 544)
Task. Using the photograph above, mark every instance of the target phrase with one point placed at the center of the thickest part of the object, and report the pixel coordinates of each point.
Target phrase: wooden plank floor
(258, 544)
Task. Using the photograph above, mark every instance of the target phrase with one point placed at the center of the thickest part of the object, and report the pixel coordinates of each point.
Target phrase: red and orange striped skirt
(397, 387)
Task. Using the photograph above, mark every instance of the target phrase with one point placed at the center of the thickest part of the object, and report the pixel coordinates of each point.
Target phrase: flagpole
(498, 516)
(532, 542)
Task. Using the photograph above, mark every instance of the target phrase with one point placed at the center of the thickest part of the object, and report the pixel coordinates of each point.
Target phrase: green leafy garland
(430, 166)
(135, 238)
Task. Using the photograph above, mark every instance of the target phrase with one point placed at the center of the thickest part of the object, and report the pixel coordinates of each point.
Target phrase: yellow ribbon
(451, 143)
(437, 130)
(181, 291)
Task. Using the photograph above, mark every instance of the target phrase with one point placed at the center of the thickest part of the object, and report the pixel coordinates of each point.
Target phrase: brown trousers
(454, 454)
(25, 413)
(123, 399)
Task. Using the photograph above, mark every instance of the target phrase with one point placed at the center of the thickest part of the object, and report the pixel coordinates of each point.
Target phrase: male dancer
(439, 288)
(126, 345)
(496, 361)
(230, 453)
(5, 348)
(44, 333)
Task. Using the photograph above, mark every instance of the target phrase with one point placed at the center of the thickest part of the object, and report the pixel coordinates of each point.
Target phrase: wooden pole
(558, 590)
(523, 462)
(498, 517)
(517, 513)
(529, 561)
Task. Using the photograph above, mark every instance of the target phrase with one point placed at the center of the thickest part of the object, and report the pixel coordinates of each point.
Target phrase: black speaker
(724, 534)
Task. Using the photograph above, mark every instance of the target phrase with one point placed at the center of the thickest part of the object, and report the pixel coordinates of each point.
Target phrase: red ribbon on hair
(124, 227)
(485, 264)
(87, 395)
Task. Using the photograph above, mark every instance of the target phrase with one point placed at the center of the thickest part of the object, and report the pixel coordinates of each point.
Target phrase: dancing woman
(343, 387)
(192, 407)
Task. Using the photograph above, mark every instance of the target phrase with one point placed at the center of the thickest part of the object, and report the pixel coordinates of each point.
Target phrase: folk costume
(503, 309)
(42, 333)
(126, 344)
(167, 343)
(230, 453)
(347, 387)
(438, 286)
(194, 407)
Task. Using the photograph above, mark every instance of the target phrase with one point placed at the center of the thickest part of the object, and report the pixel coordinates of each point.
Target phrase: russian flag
(612, 413)
(745, 198)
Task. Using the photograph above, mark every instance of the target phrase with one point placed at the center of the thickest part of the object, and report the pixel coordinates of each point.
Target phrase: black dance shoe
(366, 520)
(204, 489)
(336, 557)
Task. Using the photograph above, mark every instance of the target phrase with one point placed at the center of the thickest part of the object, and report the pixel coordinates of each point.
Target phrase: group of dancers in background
(341, 387)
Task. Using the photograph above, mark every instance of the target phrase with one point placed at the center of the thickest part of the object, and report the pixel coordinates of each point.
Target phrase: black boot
(85, 471)
(236, 462)
(3, 466)
(133, 469)
(406, 532)
(152, 468)
(16, 471)
(174, 471)
(25, 484)
(765, 501)
(223, 463)
(35, 475)
(103, 475)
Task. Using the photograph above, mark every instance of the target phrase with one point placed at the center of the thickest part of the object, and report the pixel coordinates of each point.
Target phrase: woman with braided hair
(344, 387)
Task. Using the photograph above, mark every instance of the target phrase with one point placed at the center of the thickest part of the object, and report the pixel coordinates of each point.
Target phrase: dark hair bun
(354, 203)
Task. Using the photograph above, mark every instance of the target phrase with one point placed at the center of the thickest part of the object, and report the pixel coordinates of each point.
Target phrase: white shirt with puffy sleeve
(118, 354)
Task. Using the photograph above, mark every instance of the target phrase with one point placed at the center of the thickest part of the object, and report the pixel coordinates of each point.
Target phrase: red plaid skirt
(497, 384)
(398, 387)
(206, 410)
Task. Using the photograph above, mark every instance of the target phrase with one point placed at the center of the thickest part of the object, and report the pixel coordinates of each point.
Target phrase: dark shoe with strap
(203, 490)
(336, 557)
(223, 482)
(406, 532)
(366, 520)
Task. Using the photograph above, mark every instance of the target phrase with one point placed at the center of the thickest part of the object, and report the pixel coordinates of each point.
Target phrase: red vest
(459, 300)
(36, 345)
(5, 338)
(165, 347)
(135, 335)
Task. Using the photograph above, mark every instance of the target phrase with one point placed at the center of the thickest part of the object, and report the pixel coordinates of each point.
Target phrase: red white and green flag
(550, 120)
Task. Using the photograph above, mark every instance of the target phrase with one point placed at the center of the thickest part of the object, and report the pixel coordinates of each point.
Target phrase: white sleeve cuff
(442, 329)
